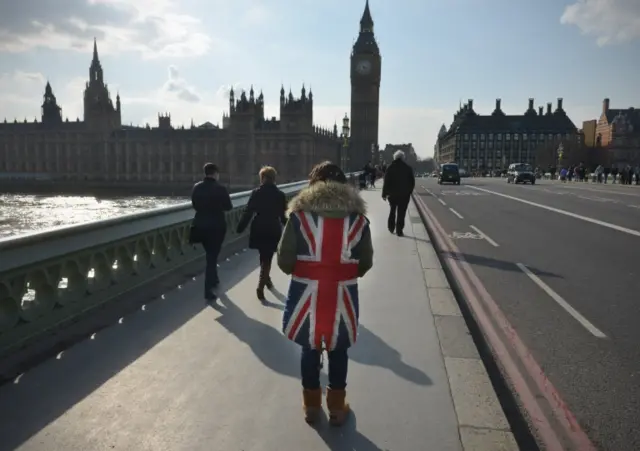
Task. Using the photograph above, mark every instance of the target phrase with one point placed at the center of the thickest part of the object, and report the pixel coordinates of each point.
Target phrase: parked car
(449, 173)
(520, 173)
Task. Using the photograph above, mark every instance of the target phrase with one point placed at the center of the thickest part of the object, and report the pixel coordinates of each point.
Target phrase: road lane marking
(465, 236)
(441, 201)
(456, 213)
(484, 235)
(597, 190)
(562, 303)
(566, 213)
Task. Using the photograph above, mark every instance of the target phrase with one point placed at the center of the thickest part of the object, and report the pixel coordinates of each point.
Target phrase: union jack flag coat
(330, 251)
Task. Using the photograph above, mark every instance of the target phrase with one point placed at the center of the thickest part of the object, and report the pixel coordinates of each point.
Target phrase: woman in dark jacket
(268, 204)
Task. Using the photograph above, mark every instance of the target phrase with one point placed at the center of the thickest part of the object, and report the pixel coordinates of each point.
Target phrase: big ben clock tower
(365, 93)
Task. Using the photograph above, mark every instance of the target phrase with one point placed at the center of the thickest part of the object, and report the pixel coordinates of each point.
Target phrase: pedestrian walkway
(179, 375)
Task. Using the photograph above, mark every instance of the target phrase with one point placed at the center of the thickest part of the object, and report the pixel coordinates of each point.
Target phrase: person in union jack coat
(325, 247)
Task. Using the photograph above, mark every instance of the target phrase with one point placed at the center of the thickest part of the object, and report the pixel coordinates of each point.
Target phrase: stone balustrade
(48, 278)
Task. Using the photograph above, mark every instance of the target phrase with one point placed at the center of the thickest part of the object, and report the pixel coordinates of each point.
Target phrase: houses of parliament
(100, 149)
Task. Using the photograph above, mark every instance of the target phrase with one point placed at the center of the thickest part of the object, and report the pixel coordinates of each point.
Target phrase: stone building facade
(618, 133)
(491, 142)
(100, 149)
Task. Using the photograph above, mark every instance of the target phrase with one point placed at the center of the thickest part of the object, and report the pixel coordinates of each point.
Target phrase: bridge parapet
(48, 278)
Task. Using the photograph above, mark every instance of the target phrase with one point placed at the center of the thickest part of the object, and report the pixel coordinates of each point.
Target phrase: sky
(182, 57)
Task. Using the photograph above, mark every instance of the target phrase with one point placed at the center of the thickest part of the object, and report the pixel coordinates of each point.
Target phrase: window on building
(466, 137)
(524, 136)
(508, 137)
(499, 137)
(474, 137)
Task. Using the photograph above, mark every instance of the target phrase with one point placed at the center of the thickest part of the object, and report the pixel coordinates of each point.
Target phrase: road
(562, 262)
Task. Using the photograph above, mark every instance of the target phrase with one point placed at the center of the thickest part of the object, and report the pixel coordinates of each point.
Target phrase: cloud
(154, 28)
(17, 93)
(257, 14)
(610, 21)
(179, 87)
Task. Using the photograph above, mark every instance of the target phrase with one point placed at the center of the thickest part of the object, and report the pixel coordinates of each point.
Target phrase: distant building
(589, 132)
(436, 148)
(410, 153)
(491, 142)
(101, 149)
(618, 131)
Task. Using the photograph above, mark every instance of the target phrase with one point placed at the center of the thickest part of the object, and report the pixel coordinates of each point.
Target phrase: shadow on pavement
(278, 295)
(269, 345)
(373, 351)
(44, 394)
(346, 437)
(281, 355)
(497, 264)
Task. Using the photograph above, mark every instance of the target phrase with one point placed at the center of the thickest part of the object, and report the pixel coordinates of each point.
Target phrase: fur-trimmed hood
(330, 198)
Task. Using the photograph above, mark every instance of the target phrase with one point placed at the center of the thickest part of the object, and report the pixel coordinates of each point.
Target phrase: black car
(449, 173)
(521, 173)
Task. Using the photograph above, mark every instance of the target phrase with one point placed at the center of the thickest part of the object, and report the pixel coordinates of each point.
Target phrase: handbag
(195, 235)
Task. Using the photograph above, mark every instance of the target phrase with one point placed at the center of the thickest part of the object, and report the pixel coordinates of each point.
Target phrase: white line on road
(456, 213)
(562, 212)
(441, 201)
(484, 235)
(604, 191)
(562, 303)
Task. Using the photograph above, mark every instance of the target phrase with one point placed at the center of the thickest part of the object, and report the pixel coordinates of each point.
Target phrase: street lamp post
(560, 152)
(344, 157)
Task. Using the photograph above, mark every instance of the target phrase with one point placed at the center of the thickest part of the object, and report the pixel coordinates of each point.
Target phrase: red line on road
(467, 280)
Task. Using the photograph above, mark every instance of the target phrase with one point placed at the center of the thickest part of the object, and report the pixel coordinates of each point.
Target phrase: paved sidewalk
(182, 376)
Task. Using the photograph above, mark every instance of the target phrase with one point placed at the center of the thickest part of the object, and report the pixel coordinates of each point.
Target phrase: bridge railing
(48, 278)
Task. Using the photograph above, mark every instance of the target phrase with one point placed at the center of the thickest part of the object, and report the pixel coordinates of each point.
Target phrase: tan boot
(337, 406)
(312, 404)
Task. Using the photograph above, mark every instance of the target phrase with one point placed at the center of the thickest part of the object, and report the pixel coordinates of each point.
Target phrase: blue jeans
(310, 368)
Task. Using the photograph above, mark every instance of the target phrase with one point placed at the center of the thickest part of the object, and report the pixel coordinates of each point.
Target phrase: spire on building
(51, 111)
(95, 52)
(366, 23)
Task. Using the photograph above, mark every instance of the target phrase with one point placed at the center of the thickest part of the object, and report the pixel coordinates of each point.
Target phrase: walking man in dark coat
(210, 200)
(399, 182)
(266, 212)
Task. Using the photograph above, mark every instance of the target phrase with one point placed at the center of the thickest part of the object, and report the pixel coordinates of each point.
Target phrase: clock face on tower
(363, 67)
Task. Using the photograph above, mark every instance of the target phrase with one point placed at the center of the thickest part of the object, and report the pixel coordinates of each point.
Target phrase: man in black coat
(210, 200)
(399, 182)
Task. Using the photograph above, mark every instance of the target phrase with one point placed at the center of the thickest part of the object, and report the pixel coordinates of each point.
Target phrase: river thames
(21, 213)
